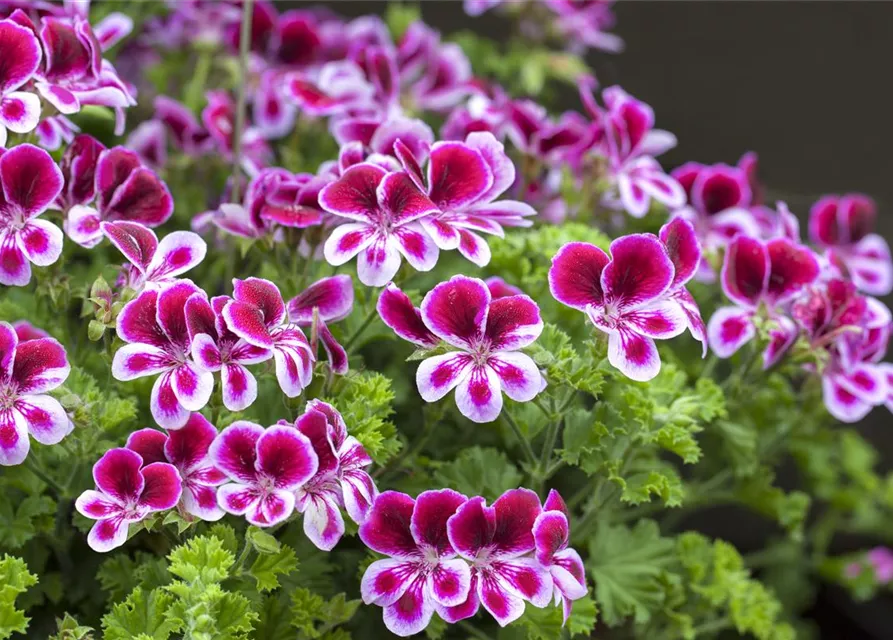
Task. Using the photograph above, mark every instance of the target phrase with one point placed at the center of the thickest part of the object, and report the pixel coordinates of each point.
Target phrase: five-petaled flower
(265, 466)
(384, 210)
(154, 264)
(187, 449)
(154, 326)
(627, 294)
(339, 481)
(755, 274)
(28, 370)
(551, 534)
(19, 110)
(326, 300)
(488, 335)
(497, 541)
(126, 492)
(422, 573)
(30, 181)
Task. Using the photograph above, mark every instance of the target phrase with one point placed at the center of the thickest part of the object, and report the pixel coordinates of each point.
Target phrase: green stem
(714, 626)
(243, 556)
(192, 97)
(525, 443)
(472, 630)
(359, 332)
(244, 48)
(35, 468)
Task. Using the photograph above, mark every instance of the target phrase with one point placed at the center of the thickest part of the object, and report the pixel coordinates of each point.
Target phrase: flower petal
(247, 321)
(96, 505)
(201, 501)
(513, 322)
(274, 507)
(332, 297)
(354, 194)
(192, 386)
(164, 405)
(137, 242)
(315, 425)
(662, 319)
(138, 323)
(359, 493)
(474, 248)
(504, 606)
(865, 381)
(14, 442)
(634, 355)
(478, 395)
(384, 581)
(640, 270)
(387, 526)
(20, 111)
(515, 512)
(575, 275)
(293, 360)
(445, 235)
(188, 446)
(379, 261)
(117, 474)
(239, 387)
(142, 197)
(870, 266)
(791, 268)
(238, 499)
(781, 338)
(177, 253)
(412, 612)
(31, 180)
(149, 443)
(323, 522)
(457, 310)
(518, 374)
(23, 55)
(15, 270)
(467, 609)
(162, 486)
(681, 242)
(139, 360)
(458, 175)
(346, 241)
(108, 534)
(438, 375)
(401, 199)
(745, 271)
(46, 419)
(429, 523)
(417, 246)
(234, 451)
(472, 527)
(264, 295)
(334, 351)
(527, 578)
(450, 582)
(728, 329)
(286, 456)
(41, 241)
(40, 366)
(398, 312)
(551, 533)
(501, 166)
(171, 313)
(841, 403)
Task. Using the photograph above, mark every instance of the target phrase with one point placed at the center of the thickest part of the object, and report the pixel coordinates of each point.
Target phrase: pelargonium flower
(496, 540)
(551, 534)
(28, 370)
(383, 210)
(188, 135)
(422, 573)
(126, 492)
(499, 288)
(257, 314)
(756, 274)
(627, 294)
(154, 264)
(333, 88)
(339, 481)
(78, 167)
(125, 190)
(326, 300)
(219, 119)
(377, 136)
(154, 326)
(55, 131)
(149, 141)
(681, 244)
(585, 24)
(843, 225)
(19, 110)
(30, 181)
(27, 331)
(216, 348)
(488, 335)
(265, 466)
(187, 450)
(464, 179)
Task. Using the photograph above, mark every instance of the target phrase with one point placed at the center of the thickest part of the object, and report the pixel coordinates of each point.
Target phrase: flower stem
(525, 443)
(472, 630)
(35, 468)
(244, 48)
(359, 332)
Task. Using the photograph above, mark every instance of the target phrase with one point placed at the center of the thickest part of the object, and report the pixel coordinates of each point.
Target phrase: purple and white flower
(265, 467)
(422, 573)
(28, 370)
(487, 335)
(187, 450)
(19, 110)
(551, 534)
(154, 264)
(126, 492)
(326, 300)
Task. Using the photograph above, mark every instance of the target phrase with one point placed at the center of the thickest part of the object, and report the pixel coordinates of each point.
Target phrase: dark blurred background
(806, 85)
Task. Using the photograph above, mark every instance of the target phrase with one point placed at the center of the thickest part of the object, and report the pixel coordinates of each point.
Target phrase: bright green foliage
(15, 579)
(22, 519)
(314, 616)
(365, 403)
(268, 566)
(69, 629)
(141, 615)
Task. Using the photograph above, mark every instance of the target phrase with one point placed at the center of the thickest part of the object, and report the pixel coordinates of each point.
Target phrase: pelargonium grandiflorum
(329, 225)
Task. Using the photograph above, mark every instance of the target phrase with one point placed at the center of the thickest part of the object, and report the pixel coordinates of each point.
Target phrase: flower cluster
(635, 295)
(313, 467)
(178, 332)
(58, 57)
(484, 337)
(450, 554)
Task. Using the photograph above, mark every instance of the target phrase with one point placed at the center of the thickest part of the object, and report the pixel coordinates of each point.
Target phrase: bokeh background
(807, 85)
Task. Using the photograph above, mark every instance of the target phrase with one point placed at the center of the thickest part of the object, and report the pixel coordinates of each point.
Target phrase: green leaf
(15, 579)
(365, 403)
(626, 565)
(202, 558)
(313, 616)
(141, 614)
(479, 471)
(69, 629)
(262, 541)
(119, 574)
(275, 619)
(22, 519)
(268, 566)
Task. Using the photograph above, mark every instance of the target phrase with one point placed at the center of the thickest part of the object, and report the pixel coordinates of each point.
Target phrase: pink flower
(78, 167)
(257, 314)
(335, 88)
(551, 533)
(629, 295)
(154, 325)
(383, 210)
(754, 274)
(881, 560)
(265, 466)
(187, 450)
(19, 110)
(27, 331)
(499, 288)
(149, 141)
(422, 573)
(326, 300)
(219, 118)
(55, 131)
(28, 370)
(126, 492)
(463, 180)
(188, 135)
(154, 264)
(585, 24)
(30, 181)
(216, 348)
(497, 541)
(681, 244)
(843, 225)
(487, 335)
(340, 479)
(125, 190)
